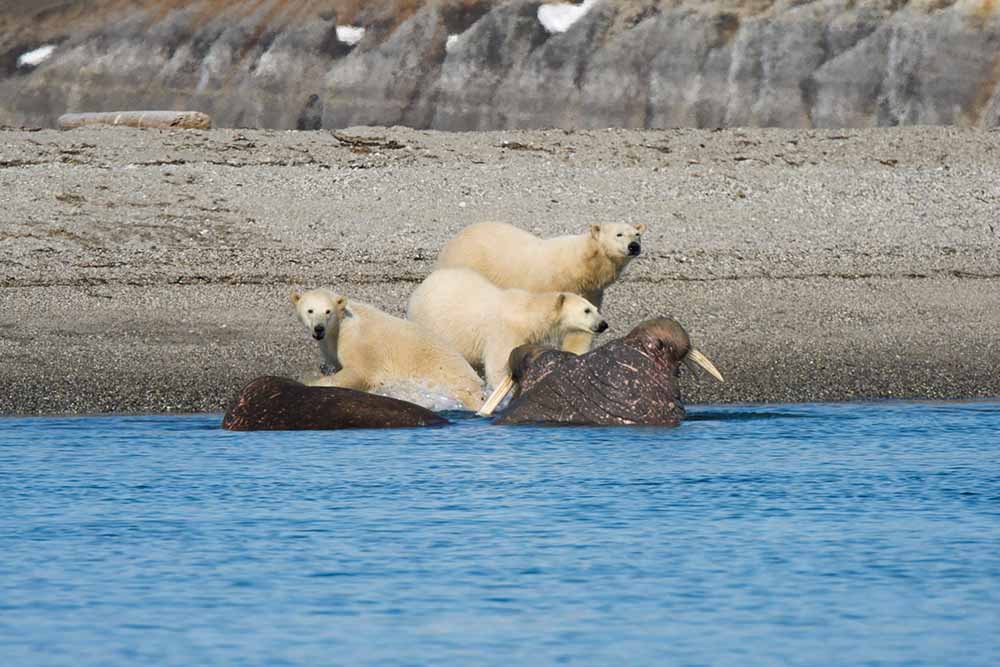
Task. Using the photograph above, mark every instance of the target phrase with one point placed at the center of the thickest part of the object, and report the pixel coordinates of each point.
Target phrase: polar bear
(584, 264)
(366, 348)
(484, 322)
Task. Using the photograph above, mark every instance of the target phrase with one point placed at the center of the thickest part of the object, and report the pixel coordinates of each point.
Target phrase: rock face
(476, 64)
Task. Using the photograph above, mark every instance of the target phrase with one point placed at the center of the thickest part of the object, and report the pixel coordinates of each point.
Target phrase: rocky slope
(473, 65)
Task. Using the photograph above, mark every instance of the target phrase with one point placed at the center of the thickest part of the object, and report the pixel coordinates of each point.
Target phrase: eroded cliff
(473, 64)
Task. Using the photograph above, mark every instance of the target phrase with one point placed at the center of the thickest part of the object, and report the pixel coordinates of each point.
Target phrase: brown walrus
(272, 403)
(631, 380)
(527, 364)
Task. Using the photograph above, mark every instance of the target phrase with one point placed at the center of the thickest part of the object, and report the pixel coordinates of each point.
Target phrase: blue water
(769, 535)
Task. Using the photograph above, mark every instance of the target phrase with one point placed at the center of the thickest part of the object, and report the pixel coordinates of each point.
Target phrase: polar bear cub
(584, 264)
(484, 322)
(368, 348)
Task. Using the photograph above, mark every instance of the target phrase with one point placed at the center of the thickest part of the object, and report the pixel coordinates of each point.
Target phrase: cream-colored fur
(369, 348)
(319, 310)
(584, 264)
(484, 322)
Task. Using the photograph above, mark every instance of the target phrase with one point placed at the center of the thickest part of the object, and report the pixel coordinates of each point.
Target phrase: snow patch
(350, 34)
(35, 57)
(450, 43)
(559, 17)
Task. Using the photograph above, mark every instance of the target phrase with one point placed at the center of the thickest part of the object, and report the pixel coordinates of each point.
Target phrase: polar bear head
(319, 309)
(578, 314)
(619, 240)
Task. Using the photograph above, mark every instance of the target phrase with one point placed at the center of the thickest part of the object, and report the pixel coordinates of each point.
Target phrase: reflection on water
(847, 534)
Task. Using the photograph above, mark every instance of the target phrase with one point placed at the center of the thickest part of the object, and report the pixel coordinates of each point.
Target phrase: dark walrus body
(631, 380)
(272, 403)
(530, 364)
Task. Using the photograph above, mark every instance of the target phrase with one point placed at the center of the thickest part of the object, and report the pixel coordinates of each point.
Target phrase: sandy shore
(149, 271)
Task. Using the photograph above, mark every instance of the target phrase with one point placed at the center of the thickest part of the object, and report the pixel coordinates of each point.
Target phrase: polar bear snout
(619, 240)
(578, 314)
(319, 331)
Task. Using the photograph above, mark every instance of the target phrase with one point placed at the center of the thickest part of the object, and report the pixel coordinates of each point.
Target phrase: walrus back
(271, 403)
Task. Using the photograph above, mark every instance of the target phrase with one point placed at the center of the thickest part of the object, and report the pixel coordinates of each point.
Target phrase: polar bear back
(385, 349)
(466, 309)
(514, 258)
(484, 322)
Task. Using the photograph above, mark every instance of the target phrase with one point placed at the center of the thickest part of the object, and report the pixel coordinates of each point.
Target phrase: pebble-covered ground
(149, 271)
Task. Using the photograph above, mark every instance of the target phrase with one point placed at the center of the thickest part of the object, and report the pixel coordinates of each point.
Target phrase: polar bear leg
(471, 400)
(495, 361)
(344, 378)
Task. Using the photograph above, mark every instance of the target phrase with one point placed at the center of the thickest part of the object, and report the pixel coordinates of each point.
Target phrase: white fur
(321, 308)
(371, 349)
(484, 322)
(584, 264)
(510, 257)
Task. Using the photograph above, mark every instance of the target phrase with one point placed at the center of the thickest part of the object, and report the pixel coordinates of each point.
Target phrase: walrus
(528, 364)
(631, 380)
(271, 403)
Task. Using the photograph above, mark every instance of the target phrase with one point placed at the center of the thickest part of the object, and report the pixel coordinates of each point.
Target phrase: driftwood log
(189, 120)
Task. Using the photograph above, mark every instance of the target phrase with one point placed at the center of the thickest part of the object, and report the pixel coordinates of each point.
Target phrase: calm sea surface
(856, 534)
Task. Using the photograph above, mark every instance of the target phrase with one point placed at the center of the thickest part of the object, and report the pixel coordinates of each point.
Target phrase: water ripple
(855, 534)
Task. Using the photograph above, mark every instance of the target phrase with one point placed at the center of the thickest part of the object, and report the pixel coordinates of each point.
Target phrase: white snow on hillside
(349, 34)
(559, 17)
(36, 56)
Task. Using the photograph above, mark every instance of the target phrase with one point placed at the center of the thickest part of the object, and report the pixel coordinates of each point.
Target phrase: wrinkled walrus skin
(272, 403)
(529, 364)
(631, 380)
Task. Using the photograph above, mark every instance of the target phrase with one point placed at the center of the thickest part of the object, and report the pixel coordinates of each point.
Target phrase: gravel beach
(149, 271)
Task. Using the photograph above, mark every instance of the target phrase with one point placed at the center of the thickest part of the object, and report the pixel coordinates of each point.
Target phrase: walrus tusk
(505, 387)
(703, 361)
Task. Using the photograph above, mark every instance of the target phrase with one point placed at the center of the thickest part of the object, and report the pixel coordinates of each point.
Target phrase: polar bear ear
(296, 296)
(560, 300)
(595, 231)
(639, 227)
(341, 304)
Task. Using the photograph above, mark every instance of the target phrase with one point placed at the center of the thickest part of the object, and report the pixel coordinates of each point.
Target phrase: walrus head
(640, 369)
(527, 364)
(664, 339)
(530, 363)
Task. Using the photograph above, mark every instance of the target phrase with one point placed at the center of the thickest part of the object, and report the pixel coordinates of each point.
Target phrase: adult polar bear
(584, 264)
(368, 348)
(484, 323)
